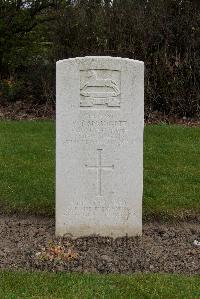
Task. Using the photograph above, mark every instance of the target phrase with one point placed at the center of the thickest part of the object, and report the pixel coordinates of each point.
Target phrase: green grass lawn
(27, 184)
(171, 169)
(48, 285)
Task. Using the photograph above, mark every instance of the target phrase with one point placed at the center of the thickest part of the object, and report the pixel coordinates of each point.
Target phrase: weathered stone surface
(99, 155)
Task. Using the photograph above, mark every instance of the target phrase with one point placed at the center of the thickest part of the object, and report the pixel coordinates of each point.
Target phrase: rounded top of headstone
(99, 58)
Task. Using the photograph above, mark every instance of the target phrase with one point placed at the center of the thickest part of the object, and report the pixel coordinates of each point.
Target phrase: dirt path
(27, 244)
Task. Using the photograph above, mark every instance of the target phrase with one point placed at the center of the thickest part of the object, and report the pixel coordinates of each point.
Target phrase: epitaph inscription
(100, 89)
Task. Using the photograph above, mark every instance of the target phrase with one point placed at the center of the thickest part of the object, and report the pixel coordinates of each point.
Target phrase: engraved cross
(99, 167)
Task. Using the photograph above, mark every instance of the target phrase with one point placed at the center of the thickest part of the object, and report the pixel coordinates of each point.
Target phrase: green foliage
(22, 45)
(12, 90)
(20, 40)
(171, 169)
(164, 34)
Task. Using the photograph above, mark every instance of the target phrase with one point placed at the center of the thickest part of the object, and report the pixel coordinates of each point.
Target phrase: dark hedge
(165, 34)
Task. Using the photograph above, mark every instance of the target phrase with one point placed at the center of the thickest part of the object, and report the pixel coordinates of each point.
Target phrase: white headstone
(99, 155)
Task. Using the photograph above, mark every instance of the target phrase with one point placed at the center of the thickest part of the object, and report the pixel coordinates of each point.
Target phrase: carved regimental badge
(100, 89)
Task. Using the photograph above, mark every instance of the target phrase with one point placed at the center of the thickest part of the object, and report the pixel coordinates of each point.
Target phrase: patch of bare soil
(29, 243)
(157, 117)
(21, 110)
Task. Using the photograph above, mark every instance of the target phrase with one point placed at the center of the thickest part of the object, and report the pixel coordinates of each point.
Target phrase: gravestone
(99, 151)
